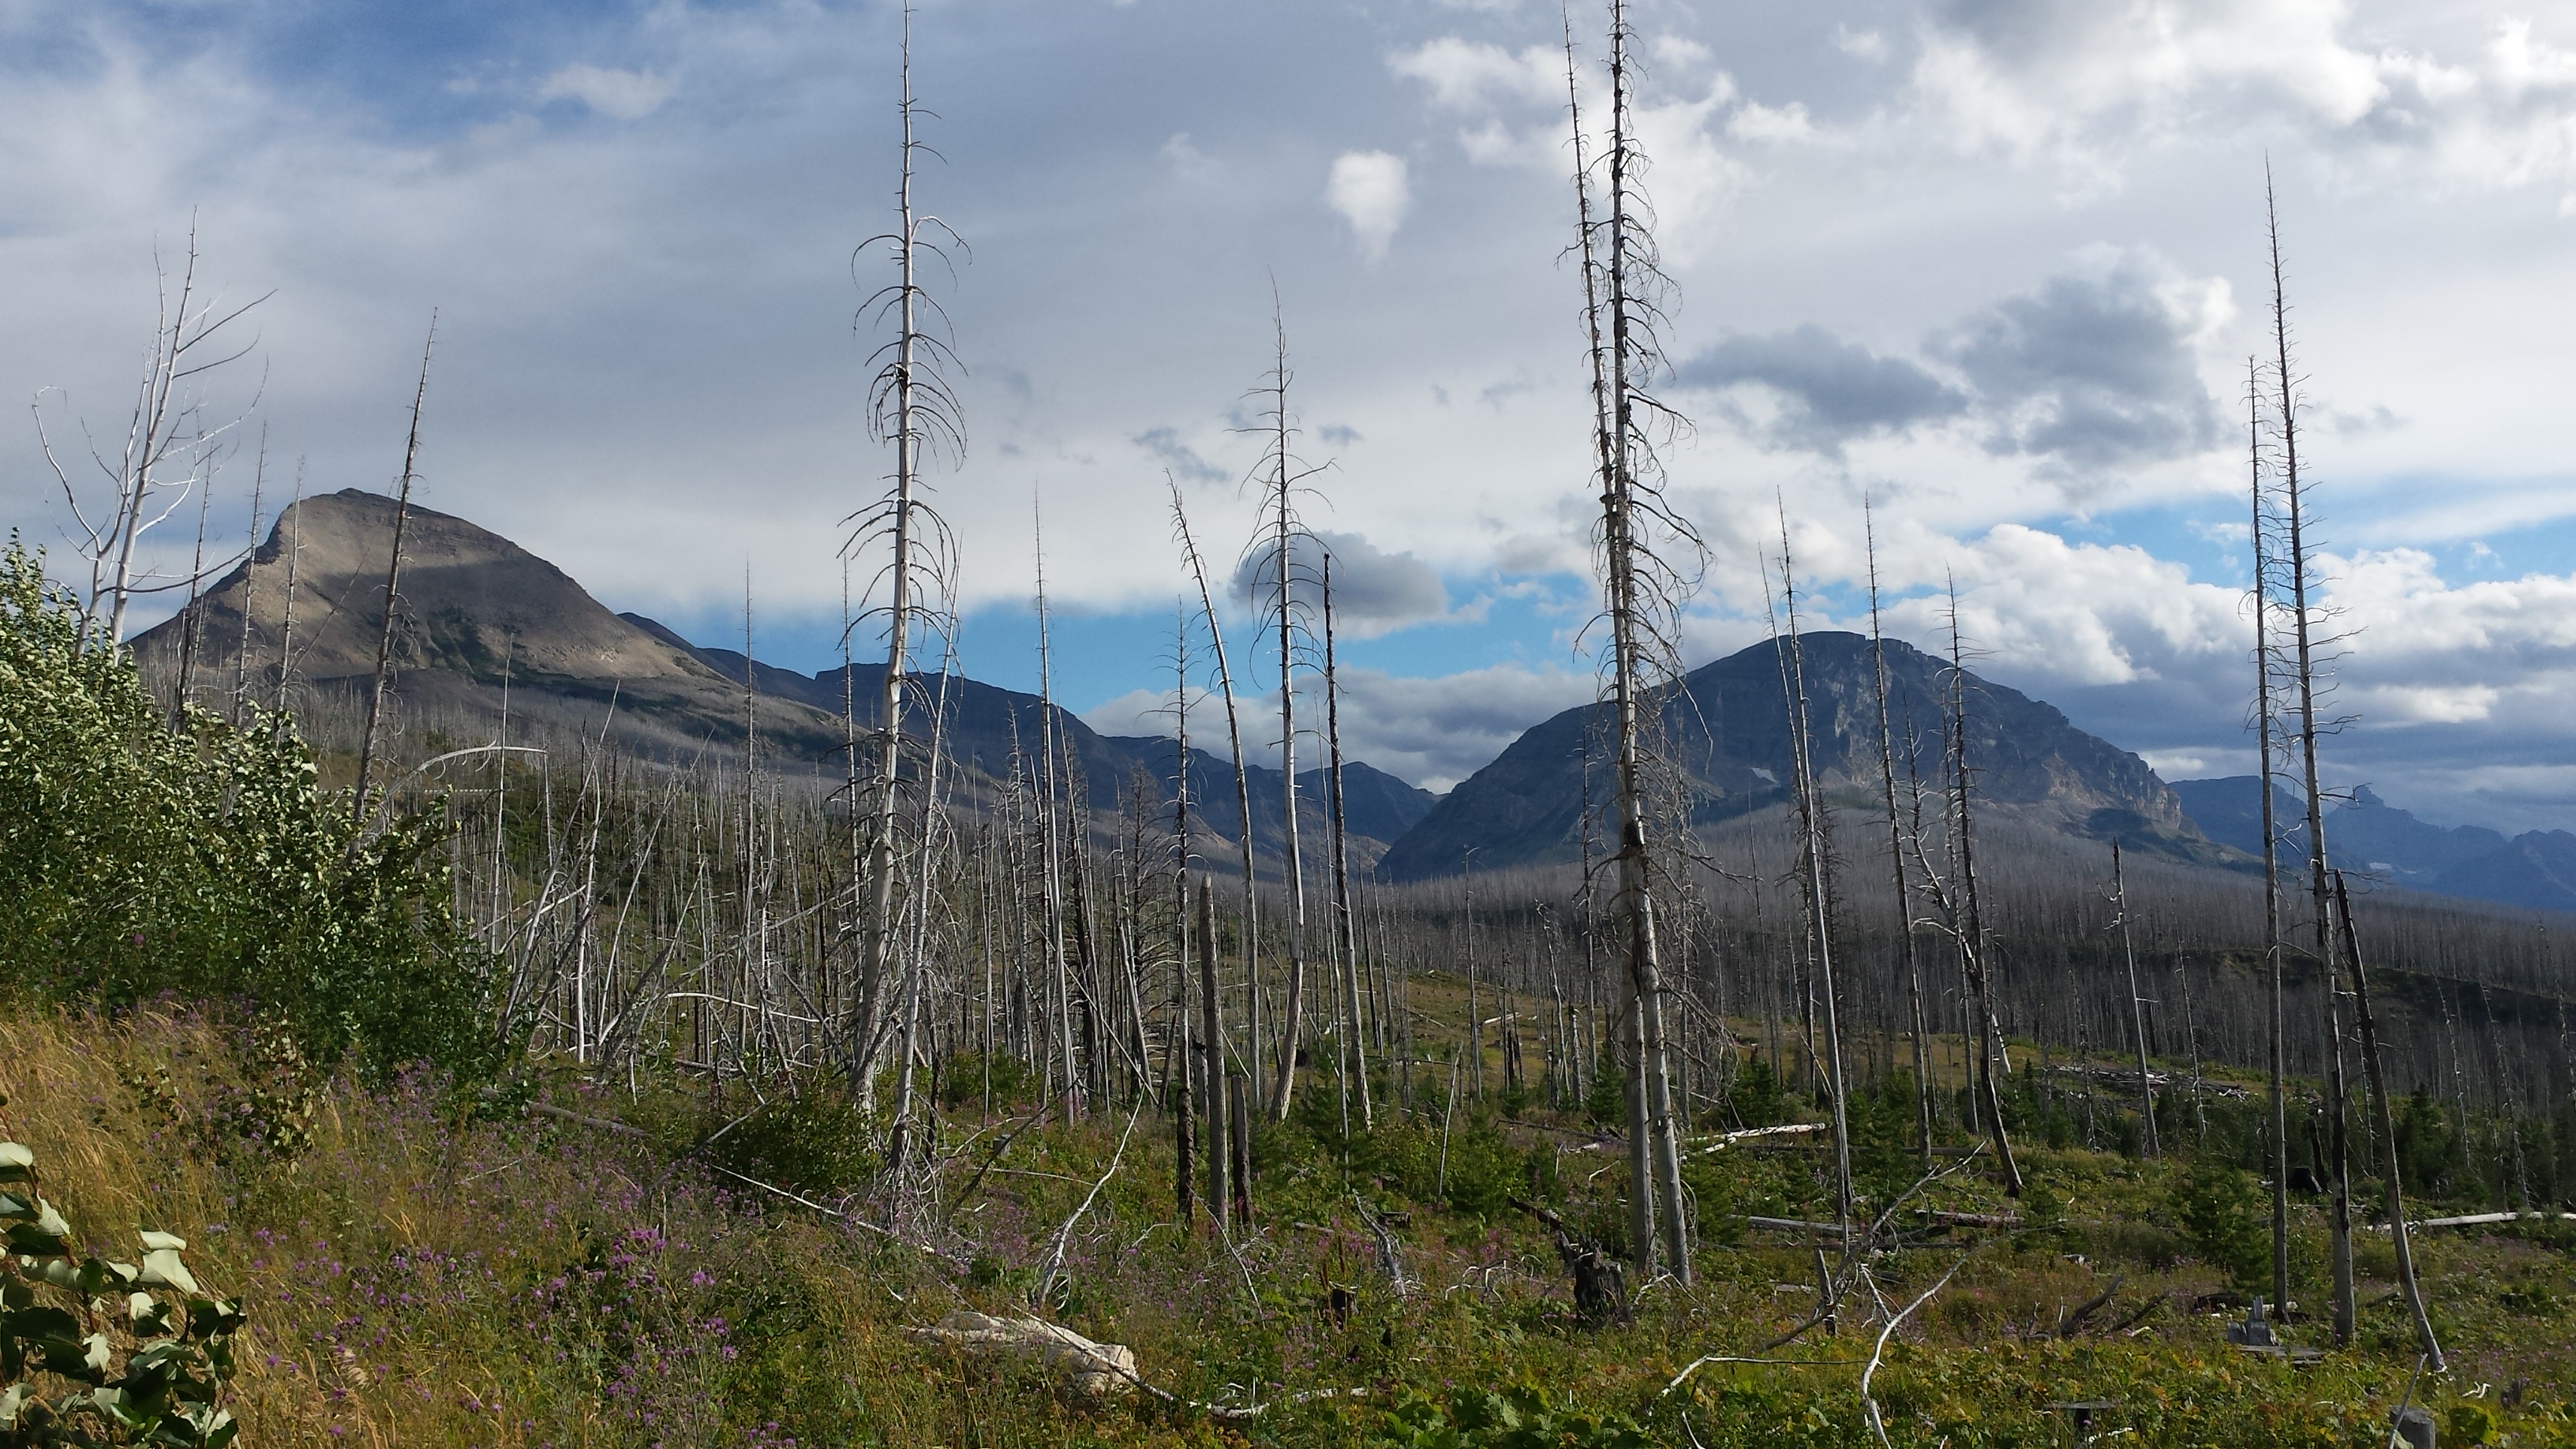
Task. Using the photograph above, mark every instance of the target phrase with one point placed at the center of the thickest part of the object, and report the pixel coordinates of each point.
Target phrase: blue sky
(1993, 264)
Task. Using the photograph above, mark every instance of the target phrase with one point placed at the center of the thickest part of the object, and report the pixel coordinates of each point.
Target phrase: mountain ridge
(1727, 728)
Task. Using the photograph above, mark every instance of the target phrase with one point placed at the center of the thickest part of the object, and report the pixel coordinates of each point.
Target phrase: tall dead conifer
(1640, 596)
(911, 406)
(2300, 562)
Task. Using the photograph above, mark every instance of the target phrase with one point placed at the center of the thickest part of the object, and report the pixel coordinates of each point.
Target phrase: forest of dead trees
(938, 945)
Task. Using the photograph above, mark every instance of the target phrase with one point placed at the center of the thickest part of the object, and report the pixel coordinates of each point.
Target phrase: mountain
(1727, 727)
(2536, 870)
(478, 614)
(2366, 834)
(988, 726)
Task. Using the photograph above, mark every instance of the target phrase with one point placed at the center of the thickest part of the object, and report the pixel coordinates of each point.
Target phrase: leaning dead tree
(171, 447)
(2307, 659)
(393, 583)
(911, 406)
(1642, 589)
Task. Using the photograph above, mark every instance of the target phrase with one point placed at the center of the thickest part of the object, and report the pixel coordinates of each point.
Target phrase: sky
(1992, 267)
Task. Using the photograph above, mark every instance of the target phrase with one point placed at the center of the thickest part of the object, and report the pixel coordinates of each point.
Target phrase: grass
(425, 1270)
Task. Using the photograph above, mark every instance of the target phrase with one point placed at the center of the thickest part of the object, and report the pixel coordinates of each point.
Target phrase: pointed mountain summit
(474, 610)
(1727, 729)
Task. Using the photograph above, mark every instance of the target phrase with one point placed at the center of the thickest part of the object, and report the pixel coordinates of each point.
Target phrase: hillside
(1727, 728)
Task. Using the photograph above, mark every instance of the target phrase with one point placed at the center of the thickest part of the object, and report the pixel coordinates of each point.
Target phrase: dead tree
(2277, 1040)
(911, 406)
(1183, 1068)
(1280, 473)
(393, 582)
(1909, 954)
(1217, 1104)
(2386, 1127)
(1970, 929)
(1641, 589)
(1816, 857)
(170, 448)
(2137, 1003)
(2300, 563)
(1347, 936)
(250, 587)
(1051, 907)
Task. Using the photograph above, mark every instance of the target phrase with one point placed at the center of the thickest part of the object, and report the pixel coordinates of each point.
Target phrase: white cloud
(2081, 86)
(1466, 75)
(1369, 189)
(625, 95)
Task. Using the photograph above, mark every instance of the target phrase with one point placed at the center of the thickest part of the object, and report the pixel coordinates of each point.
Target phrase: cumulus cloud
(625, 95)
(1822, 391)
(1369, 189)
(1466, 74)
(1373, 591)
(2093, 372)
(2079, 85)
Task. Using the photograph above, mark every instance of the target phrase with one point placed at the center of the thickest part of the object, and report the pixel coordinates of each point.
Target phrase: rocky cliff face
(1726, 731)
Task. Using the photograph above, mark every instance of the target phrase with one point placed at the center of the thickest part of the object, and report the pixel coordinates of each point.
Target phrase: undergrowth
(423, 1265)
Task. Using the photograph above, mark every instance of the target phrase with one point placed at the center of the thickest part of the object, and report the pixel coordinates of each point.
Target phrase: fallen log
(1087, 1372)
(2476, 1220)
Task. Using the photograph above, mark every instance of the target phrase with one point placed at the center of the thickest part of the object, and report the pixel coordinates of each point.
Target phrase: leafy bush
(813, 1140)
(137, 859)
(74, 1370)
(2224, 1218)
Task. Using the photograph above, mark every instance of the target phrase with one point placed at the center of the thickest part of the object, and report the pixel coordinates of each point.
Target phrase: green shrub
(141, 1353)
(2226, 1222)
(813, 1140)
(136, 859)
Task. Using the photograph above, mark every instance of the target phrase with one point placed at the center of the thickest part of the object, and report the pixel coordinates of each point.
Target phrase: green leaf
(32, 1240)
(213, 1317)
(162, 1266)
(17, 1163)
(44, 1321)
(65, 1357)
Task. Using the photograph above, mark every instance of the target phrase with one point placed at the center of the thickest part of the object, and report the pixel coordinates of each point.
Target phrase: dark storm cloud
(2090, 373)
(1828, 391)
(1373, 591)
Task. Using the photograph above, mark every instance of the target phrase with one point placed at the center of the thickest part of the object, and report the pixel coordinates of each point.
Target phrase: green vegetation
(137, 859)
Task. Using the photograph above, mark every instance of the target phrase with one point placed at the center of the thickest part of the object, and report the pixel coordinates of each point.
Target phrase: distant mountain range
(1728, 730)
(480, 615)
(2366, 834)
